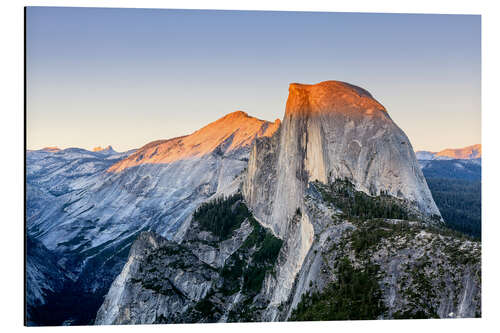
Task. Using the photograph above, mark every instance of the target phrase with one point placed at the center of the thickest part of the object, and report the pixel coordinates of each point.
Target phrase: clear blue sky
(125, 77)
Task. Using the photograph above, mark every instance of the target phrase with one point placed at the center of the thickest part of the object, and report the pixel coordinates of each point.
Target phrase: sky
(126, 77)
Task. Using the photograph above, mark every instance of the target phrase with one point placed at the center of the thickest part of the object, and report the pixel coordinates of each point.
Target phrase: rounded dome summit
(330, 97)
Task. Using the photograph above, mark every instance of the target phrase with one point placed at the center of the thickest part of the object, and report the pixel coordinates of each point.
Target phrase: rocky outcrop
(333, 130)
(422, 271)
(107, 150)
(208, 277)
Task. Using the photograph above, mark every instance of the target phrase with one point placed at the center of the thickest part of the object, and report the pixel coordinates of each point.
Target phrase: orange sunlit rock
(474, 151)
(330, 97)
(230, 132)
(51, 149)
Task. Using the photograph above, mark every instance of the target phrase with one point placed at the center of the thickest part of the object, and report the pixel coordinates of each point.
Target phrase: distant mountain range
(454, 178)
(465, 153)
(460, 163)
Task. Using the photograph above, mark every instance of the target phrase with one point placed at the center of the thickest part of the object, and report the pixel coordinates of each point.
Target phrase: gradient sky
(125, 77)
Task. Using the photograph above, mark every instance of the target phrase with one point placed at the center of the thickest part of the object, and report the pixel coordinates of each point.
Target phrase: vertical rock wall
(330, 130)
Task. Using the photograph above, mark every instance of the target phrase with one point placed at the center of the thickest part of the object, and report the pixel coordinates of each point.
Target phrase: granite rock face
(331, 130)
(89, 207)
(422, 269)
(44, 277)
(204, 278)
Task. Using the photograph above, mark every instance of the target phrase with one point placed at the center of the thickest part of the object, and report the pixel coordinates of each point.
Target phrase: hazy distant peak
(469, 152)
(100, 149)
(51, 149)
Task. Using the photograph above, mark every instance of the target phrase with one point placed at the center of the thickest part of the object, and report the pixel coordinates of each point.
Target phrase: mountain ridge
(89, 217)
(468, 152)
(233, 131)
(328, 97)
